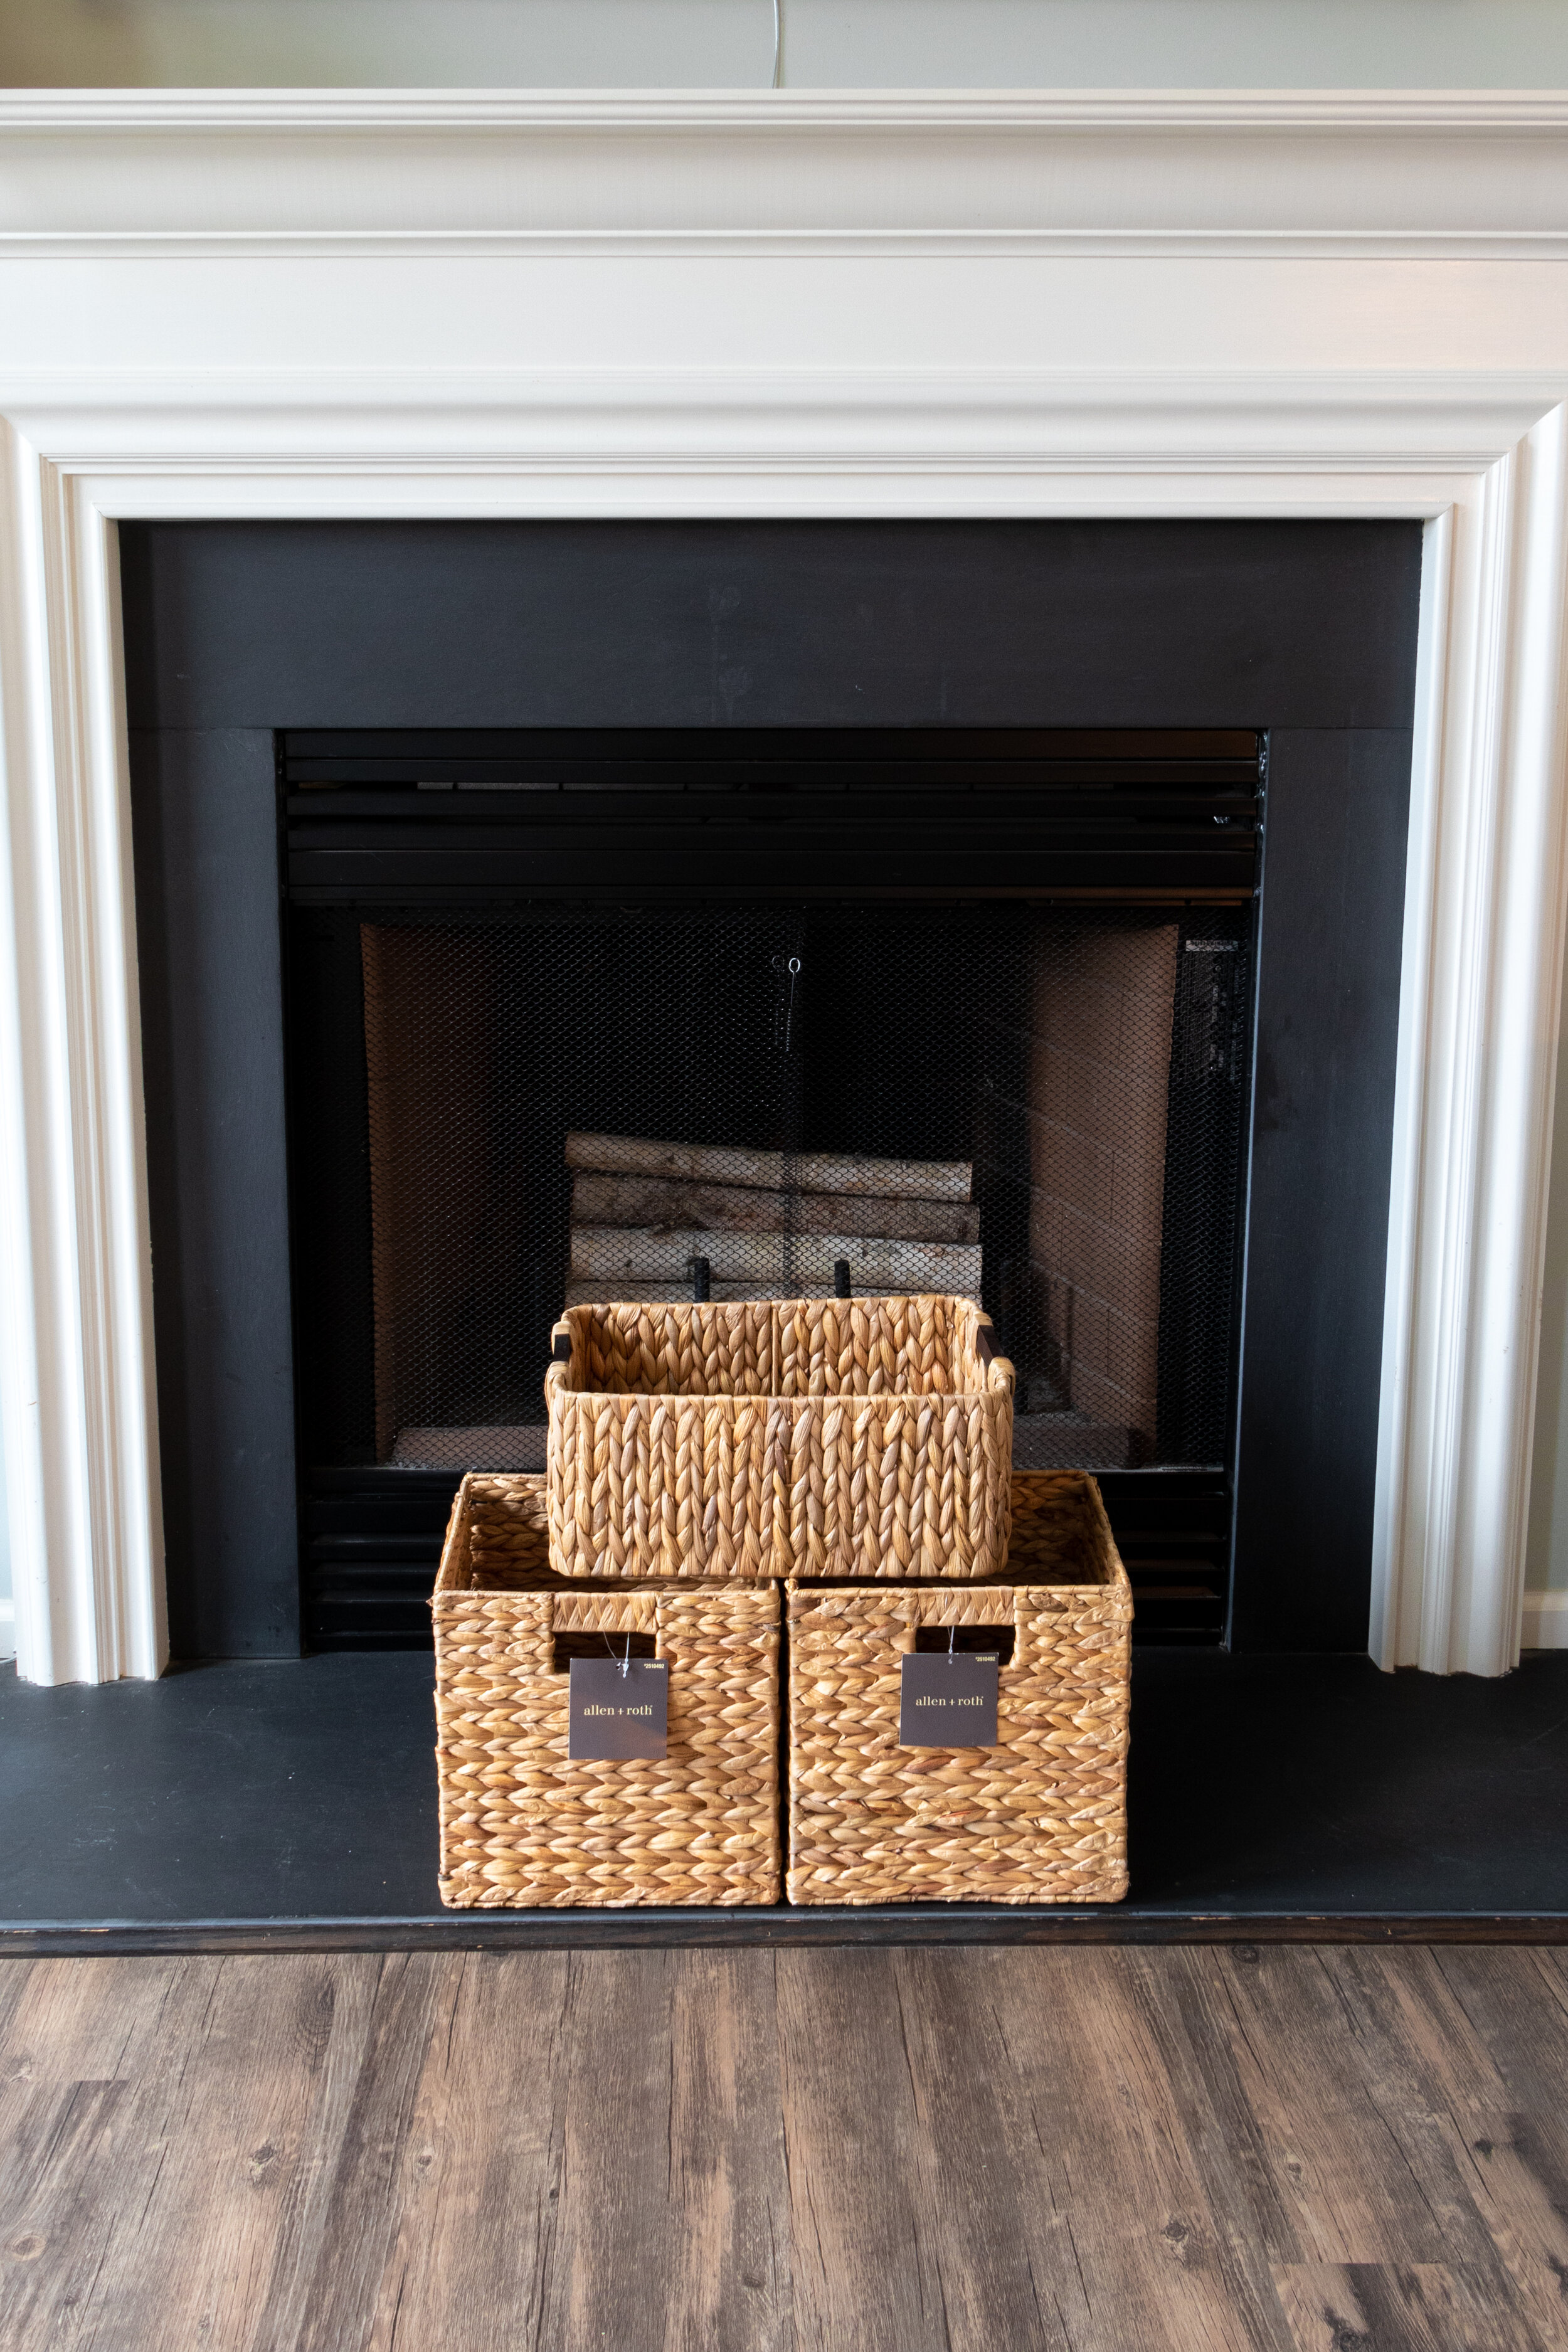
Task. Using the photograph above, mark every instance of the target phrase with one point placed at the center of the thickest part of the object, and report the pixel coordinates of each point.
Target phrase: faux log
(807, 1172)
(600, 1294)
(774, 1266)
(600, 1200)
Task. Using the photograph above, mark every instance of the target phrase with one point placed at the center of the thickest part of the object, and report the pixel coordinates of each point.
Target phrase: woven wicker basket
(520, 1824)
(823, 1437)
(1041, 1818)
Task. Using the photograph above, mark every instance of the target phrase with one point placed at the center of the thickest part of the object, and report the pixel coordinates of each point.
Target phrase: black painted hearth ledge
(290, 1806)
(778, 1928)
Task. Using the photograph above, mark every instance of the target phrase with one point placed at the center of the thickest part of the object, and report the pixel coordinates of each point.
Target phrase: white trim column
(77, 1392)
(1480, 991)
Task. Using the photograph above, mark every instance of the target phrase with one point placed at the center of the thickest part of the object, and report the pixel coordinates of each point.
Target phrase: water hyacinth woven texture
(520, 1823)
(1042, 1817)
(866, 1437)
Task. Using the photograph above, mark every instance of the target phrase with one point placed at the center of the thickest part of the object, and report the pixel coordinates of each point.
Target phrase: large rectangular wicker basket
(865, 1437)
(520, 1824)
(1041, 1818)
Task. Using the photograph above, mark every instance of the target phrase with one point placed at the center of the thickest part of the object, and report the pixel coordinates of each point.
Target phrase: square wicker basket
(1042, 1817)
(523, 1825)
(863, 1437)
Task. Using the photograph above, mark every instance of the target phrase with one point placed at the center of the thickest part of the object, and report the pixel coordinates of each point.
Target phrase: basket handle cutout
(567, 1646)
(970, 1639)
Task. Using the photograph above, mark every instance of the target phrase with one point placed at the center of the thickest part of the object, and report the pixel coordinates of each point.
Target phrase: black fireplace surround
(929, 759)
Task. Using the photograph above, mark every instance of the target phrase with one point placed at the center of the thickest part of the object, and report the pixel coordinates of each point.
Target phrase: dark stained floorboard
(1188, 2149)
(479, 2187)
(1150, 2251)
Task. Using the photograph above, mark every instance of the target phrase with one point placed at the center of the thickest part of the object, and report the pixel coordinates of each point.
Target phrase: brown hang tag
(948, 1699)
(617, 1710)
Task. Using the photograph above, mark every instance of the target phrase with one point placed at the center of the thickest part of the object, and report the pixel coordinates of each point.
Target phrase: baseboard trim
(1545, 1621)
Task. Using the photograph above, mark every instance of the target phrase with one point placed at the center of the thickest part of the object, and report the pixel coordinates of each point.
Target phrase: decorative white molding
(744, 378)
(334, 111)
(1032, 425)
(1481, 988)
(1426, 175)
(78, 1393)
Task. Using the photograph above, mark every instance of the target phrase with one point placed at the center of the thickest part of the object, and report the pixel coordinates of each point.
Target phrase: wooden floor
(1114, 2150)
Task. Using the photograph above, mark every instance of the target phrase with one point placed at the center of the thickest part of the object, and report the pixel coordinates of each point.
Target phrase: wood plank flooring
(1200, 2149)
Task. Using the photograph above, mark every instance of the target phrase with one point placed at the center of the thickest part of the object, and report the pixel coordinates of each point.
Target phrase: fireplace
(529, 913)
(1276, 353)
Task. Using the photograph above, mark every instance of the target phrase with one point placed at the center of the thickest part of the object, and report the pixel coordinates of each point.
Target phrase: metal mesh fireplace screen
(1040, 1107)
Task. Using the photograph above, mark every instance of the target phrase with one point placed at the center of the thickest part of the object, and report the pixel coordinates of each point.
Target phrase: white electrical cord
(778, 42)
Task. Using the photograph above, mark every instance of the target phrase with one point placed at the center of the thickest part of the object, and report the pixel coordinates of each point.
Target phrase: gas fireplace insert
(737, 1014)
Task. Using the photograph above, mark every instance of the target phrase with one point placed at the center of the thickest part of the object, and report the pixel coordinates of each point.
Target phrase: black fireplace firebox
(646, 1014)
(529, 913)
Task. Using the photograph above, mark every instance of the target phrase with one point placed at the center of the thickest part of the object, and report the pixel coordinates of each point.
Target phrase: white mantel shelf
(1427, 173)
(306, 303)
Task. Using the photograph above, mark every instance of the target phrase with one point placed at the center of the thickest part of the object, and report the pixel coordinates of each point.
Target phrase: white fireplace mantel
(305, 304)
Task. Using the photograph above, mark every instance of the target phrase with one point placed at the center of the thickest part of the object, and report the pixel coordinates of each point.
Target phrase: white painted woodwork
(388, 304)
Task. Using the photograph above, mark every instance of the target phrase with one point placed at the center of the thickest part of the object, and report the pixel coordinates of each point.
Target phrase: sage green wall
(7, 1630)
(903, 43)
(1546, 1561)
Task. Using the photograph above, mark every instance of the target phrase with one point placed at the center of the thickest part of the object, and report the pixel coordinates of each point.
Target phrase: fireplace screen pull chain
(790, 964)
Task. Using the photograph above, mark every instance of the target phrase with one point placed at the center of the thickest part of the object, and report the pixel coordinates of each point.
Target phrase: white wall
(899, 44)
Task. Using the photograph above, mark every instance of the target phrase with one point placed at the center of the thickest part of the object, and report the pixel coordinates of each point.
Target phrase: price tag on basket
(948, 1699)
(619, 1709)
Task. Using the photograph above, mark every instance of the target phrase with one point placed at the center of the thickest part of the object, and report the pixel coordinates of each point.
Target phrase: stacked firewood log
(769, 1224)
